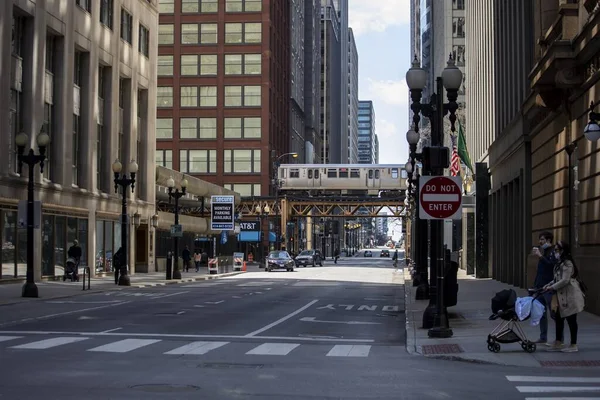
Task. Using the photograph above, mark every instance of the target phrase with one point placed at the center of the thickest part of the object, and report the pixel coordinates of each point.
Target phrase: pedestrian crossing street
(99, 344)
(557, 388)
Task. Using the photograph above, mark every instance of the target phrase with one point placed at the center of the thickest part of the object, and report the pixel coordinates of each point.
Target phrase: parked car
(309, 257)
(279, 260)
(384, 253)
(368, 253)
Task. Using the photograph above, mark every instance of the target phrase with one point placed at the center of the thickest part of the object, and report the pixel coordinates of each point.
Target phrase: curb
(112, 288)
(411, 334)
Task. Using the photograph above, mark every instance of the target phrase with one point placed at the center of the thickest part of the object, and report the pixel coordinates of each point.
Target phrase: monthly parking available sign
(222, 213)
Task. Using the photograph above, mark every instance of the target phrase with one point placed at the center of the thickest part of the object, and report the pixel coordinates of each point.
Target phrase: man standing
(544, 275)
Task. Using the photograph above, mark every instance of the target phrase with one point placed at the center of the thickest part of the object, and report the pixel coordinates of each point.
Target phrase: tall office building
(376, 150)
(85, 73)
(312, 80)
(297, 79)
(352, 99)
(366, 132)
(224, 90)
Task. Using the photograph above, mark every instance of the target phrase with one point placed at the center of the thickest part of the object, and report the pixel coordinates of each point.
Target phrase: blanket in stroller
(527, 307)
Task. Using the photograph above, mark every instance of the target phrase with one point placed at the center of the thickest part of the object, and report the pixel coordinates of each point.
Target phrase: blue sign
(223, 237)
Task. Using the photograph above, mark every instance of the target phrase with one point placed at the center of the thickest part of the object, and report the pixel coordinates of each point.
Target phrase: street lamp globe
(416, 77)
(294, 155)
(184, 183)
(117, 167)
(267, 209)
(133, 167)
(592, 131)
(412, 137)
(171, 183)
(257, 209)
(408, 167)
(452, 76)
(22, 139)
(43, 139)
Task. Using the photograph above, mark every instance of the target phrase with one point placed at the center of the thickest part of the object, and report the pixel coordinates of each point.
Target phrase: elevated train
(385, 180)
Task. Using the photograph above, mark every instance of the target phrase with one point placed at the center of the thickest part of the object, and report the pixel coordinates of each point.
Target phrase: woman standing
(568, 299)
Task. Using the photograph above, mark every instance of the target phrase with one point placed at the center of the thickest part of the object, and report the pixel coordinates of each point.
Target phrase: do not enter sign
(440, 197)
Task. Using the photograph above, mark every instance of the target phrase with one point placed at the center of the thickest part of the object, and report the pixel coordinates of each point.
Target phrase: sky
(382, 33)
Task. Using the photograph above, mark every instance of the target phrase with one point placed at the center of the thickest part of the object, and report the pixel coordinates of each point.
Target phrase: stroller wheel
(530, 347)
(494, 347)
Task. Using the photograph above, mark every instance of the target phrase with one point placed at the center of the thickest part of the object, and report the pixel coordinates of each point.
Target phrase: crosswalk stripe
(125, 345)
(7, 338)
(557, 389)
(348, 350)
(562, 398)
(273, 349)
(552, 379)
(197, 348)
(48, 343)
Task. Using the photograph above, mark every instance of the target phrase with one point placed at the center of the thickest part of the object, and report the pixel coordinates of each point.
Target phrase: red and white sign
(440, 197)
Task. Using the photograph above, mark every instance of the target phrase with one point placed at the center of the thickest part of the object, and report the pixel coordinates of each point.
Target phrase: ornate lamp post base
(30, 289)
(177, 274)
(124, 279)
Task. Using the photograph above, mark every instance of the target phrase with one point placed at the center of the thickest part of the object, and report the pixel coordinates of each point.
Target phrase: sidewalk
(10, 293)
(471, 326)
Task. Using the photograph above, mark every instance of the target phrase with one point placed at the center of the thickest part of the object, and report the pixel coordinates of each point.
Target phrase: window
(458, 52)
(242, 161)
(189, 33)
(166, 6)
(164, 158)
(394, 173)
(126, 26)
(251, 96)
(144, 41)
(242, 128)
(294, 173)
(85, 4)
(198, 161)
(458, 4)
(208, 33)
(243, 5)
(244, 189)
(190, 64)
(458, 27)
(204, 6)
(188, 96)
(164, 128)
(165, 66)
(248, 32)
(166, 34)
(238, 64)
(75, 149)
(106, 13)
(198, 128)
(208, 96)
(194, 33)
(208, 64)
(164, 96)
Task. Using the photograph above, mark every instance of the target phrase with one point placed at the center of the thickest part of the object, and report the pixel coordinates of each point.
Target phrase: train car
(346, 179)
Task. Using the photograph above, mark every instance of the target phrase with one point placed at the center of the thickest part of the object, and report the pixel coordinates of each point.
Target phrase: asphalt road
(333, 332)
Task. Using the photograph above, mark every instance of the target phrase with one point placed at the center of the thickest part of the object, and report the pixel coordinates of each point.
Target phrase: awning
(254, 236)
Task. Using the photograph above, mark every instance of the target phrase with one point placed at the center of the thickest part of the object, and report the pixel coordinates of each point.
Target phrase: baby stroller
(71, 270)
(509, 330)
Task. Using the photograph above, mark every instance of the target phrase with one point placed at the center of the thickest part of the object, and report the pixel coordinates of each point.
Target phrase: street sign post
(222, 213)
(440, 197)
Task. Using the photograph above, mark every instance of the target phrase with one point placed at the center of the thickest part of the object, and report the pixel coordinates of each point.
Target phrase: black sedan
(279, 260)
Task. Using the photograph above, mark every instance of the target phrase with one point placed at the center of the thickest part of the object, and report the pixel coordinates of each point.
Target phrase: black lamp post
(176, 194)
(31, 159)
(436, 158)
(262, 213)
(276, 185)
(124, 182)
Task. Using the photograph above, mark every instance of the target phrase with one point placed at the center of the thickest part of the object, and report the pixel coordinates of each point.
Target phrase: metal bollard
(89, 276)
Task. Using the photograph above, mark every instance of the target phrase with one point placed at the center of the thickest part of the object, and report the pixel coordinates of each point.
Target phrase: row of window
(238, 161)
(206, 96)
(207, 64)
(210, 6)
(207, 33)
(206, 128)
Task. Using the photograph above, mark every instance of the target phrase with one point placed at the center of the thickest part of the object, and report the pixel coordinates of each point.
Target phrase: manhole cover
(565, 363)
(441, 349)
(230, 366)
(165, 388)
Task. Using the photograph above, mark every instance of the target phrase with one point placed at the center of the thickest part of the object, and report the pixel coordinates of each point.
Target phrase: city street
(332, 332)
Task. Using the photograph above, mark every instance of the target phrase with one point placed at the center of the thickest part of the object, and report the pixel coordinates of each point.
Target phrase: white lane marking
(279, 321)
(21, 321)
(517, 378)
(313, 319)
(125, 345)
(185, 336)
(346, 350)
(197, 348)
(557, 389)
(273, 349)
(562, 398)
(48, 343)
(169, 295)
(83, 302)
(215, 302)
(199, 305)
(111, 330)
(7, 338)
(237, 297)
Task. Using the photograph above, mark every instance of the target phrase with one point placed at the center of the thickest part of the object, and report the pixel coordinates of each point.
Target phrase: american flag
(455, 160)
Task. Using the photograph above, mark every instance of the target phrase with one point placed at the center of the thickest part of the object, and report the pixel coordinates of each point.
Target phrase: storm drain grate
(441, 349)
(564, 363)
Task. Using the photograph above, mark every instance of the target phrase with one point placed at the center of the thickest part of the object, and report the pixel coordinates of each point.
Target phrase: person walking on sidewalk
(118, 262)
(569, 298)
(186, 255)
(197, 259)
(544, 274)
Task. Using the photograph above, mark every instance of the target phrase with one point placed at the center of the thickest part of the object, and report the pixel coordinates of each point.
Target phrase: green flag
(463, 153)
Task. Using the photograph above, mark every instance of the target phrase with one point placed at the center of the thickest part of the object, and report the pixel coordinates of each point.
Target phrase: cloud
(377, 15)
(390, 92)
(385, 129)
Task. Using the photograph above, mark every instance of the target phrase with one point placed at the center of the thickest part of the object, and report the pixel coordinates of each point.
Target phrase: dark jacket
(118, 258)
(75, 252)
(545, 268)
(186, 255)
